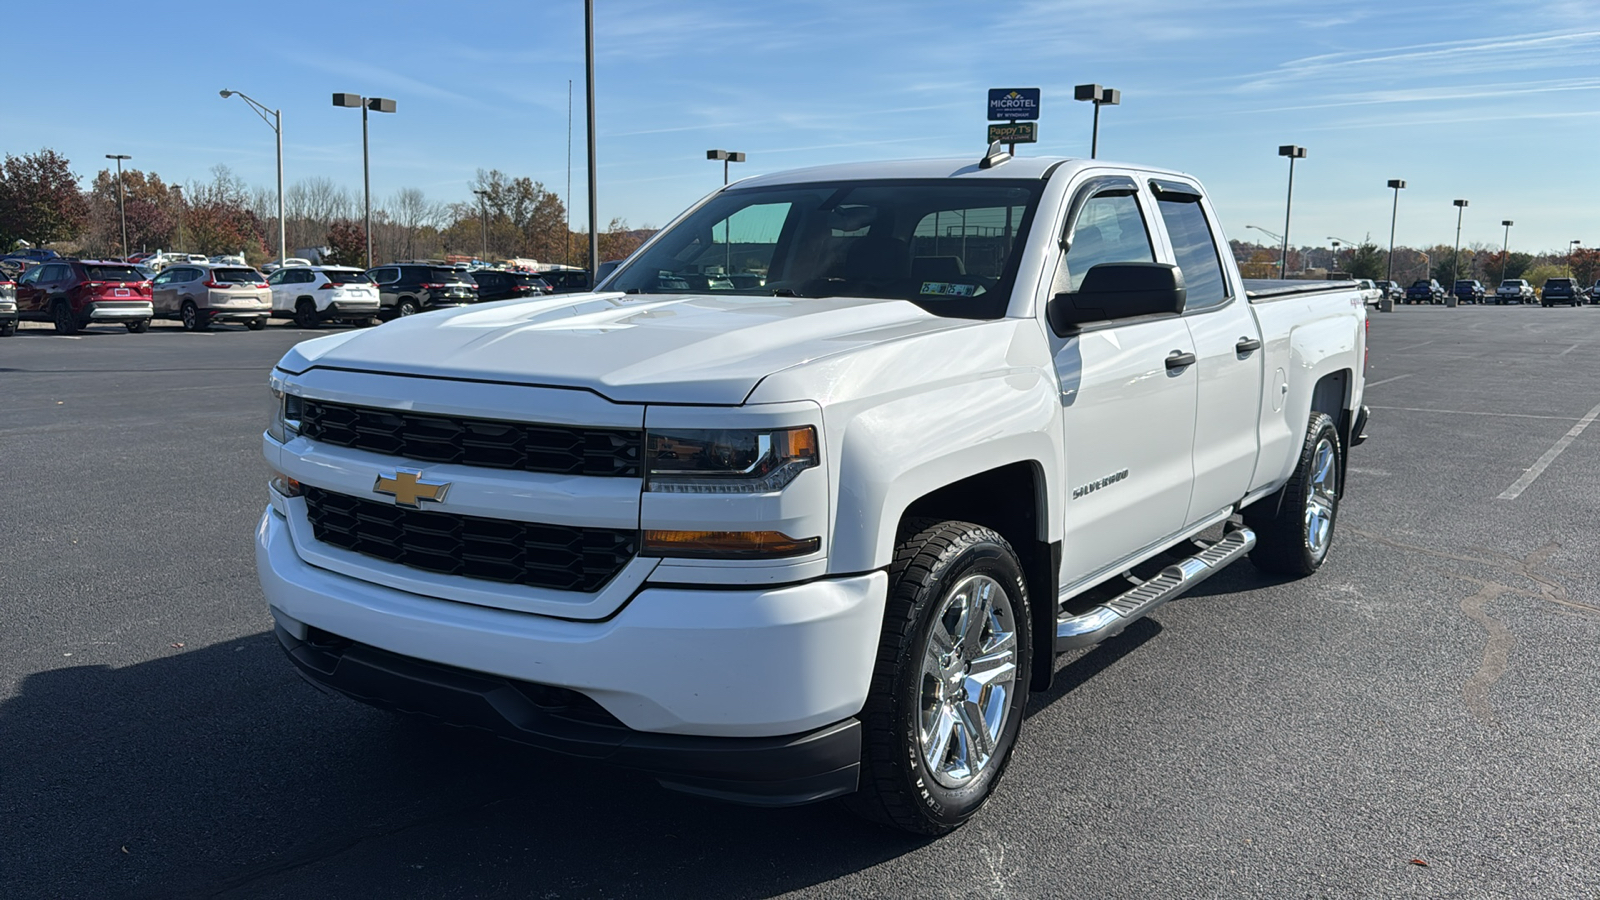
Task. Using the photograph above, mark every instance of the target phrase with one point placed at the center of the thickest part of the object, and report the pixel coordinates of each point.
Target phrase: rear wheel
(305, 313)
(950, 683)
(190, 314)
(406, 307)
(1294, 527)
(61, 314)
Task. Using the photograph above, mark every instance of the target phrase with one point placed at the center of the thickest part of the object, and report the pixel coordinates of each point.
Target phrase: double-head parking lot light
(374, 104)
(1397, 184)
(122, 211)
(1455, 258)
(1294, 152)
(1099, 96)
(1505, 249)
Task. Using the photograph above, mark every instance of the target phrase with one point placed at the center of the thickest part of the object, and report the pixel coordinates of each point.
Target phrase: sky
(1497, 103)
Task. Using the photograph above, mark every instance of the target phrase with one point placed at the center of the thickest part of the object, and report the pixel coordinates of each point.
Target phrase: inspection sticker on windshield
(948, 289)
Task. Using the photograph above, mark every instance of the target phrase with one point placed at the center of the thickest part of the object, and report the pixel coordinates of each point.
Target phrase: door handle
(1246, 345)
(1179, 359)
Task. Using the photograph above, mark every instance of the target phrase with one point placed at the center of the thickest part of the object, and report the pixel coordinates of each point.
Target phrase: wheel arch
(1019, 516)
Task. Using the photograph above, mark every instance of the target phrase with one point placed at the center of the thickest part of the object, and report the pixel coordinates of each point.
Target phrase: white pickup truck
(804, 501)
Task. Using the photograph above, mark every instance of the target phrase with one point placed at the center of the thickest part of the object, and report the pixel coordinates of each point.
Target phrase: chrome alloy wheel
(969, 666)
(1321, 496)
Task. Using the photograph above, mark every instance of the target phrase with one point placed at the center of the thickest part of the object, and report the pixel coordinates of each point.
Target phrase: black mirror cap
(1123, 290)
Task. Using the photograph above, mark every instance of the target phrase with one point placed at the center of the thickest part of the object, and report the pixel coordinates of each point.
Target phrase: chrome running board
(1109, 618)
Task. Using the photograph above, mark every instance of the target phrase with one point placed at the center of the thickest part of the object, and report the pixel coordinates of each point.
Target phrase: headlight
(726, 461)
(284, 423)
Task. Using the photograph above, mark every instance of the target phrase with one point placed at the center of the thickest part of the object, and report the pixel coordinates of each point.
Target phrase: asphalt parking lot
(1429, 697)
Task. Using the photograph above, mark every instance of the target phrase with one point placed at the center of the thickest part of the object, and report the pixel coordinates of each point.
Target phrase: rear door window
(1194, 250)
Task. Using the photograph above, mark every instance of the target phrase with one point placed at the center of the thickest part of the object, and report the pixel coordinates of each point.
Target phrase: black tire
(139, 327)
(305, 313)
(8, 328)
(190, 314)
(256, 324)
(898, 786)
(61, 314)
(406, 306)
(1282, 521)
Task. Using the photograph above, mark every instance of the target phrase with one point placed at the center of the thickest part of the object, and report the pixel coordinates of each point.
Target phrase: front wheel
(1294, 527)
(951, 680)
(256, 324)
(8, 328)
(139, 327)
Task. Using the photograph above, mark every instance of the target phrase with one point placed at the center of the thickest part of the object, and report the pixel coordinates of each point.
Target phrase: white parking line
(1476, 412)
(1411, 347)
(1569, 349)
(1521, 484)
(1373, 384)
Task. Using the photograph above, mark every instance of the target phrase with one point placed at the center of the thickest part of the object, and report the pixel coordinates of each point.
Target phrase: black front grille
(548, 556)
(557, 449)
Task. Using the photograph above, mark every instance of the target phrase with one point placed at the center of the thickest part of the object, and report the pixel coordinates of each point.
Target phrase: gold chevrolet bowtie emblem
(408, 488)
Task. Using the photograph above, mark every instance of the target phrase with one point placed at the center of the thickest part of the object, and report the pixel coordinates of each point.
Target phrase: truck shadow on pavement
(218, 772)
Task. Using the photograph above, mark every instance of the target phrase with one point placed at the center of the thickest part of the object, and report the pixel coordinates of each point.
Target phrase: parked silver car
(200, 295)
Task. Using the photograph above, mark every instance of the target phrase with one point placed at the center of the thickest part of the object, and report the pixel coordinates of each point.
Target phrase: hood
(633, 348)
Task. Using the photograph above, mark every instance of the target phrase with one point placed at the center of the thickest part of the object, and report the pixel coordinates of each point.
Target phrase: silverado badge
(408, 488)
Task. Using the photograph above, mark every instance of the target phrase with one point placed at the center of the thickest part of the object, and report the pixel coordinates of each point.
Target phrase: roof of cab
(962, 167)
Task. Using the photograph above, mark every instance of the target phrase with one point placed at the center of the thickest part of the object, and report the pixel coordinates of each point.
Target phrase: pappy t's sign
(1013, 103)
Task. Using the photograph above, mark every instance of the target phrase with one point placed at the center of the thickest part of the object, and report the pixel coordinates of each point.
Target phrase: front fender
(891, 454)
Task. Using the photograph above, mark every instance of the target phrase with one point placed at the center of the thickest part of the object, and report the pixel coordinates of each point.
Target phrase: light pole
(375, 104)
(1276, 237)
(1398, 185)
(1505, 249)
(1293, 152)
(594, 185)
(727, 156)
(1337, 241)
(1455, 258)
(276, 124)
(483, 214)
(122, 212)
(1571, 245)
(1099, 96)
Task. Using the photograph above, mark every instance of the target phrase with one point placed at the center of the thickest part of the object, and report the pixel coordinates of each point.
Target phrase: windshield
(946, 245)
(113, 273)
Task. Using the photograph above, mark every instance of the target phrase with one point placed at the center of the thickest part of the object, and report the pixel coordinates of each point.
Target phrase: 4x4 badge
(408, 488)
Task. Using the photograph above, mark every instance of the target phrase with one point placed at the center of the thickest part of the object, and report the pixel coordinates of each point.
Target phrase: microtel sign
(1013, 103)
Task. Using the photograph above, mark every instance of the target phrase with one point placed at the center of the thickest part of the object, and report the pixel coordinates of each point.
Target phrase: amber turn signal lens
(727, 544)
(285, 485)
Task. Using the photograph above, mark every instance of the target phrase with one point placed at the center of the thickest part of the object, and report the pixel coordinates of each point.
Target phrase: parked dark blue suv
(1425, 290)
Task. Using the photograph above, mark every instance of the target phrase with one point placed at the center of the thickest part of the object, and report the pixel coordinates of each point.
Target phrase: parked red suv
(75, 293)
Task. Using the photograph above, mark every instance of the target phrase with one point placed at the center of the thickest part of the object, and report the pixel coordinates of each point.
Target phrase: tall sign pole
(594, 189)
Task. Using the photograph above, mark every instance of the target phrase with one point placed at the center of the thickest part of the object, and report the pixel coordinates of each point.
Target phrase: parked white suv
(312, 295)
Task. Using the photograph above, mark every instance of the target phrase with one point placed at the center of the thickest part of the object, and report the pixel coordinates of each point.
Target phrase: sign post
(1019, 109)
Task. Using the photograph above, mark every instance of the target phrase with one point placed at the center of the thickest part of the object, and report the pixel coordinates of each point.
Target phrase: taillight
(434, 287)
(1366, 348)
(261, 285)
(215, 284)
(329, 286)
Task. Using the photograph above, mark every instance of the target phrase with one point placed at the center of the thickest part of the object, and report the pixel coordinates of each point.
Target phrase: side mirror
(1112, 291)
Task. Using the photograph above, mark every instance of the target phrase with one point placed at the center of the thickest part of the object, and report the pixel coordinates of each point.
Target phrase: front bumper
(716, 662)
(774, 771)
